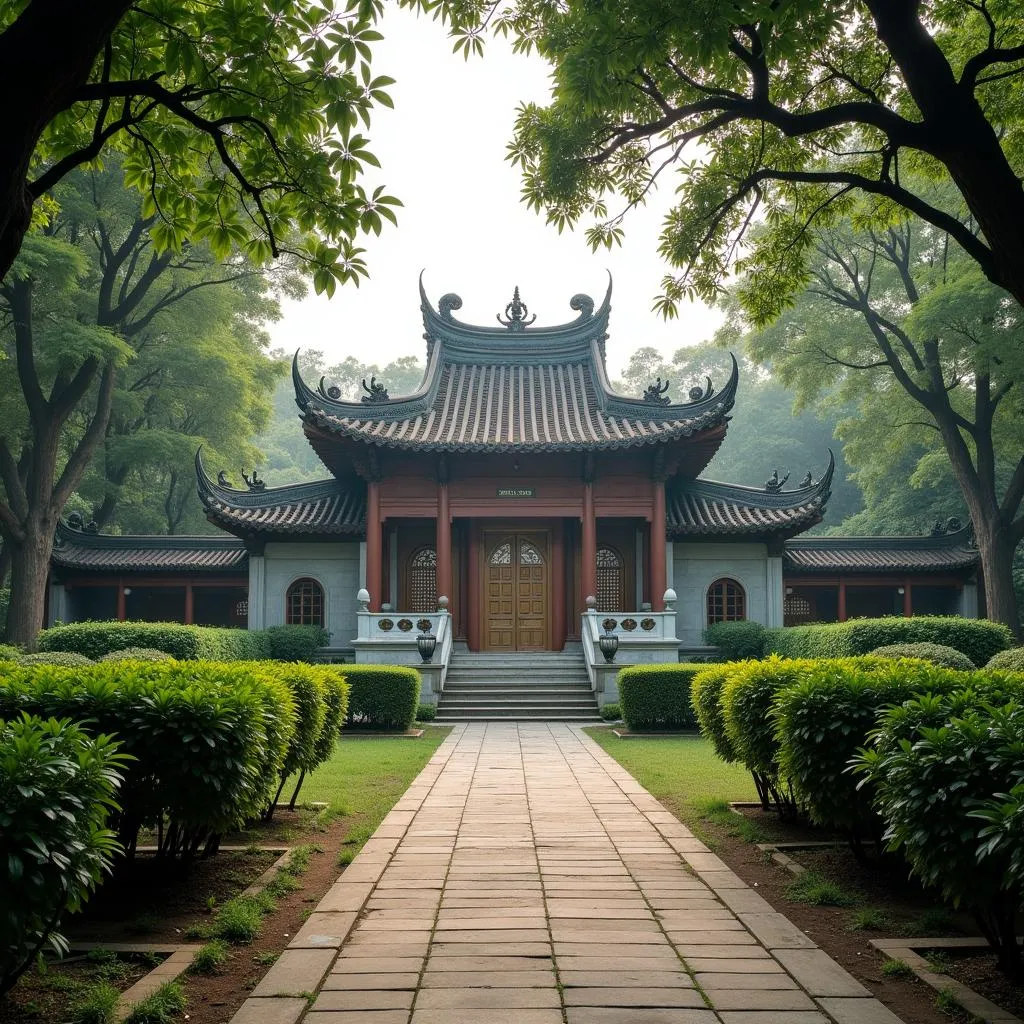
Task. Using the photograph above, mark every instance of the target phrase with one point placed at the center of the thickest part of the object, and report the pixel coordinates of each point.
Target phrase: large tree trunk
(30, 568)
(996, 548)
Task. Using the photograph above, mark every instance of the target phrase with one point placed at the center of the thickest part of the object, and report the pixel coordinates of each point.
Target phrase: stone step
(514, 715)
(511, 682)
(474, 702)
(540, 691)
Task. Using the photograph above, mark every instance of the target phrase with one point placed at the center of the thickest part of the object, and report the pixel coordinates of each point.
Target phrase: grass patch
(681, 771)
(239, 919)
(870, 919)
(718, 812)
(97, 1006)
(211, 958)
(936, 921)
(818, 891)
(898, 969)
(163, 1007)
(938, 962)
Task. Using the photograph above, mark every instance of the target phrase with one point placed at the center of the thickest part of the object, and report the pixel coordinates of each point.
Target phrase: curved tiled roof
(697, 508)
(514, 387)
(77, 549)
(948, 552)
(323, 507)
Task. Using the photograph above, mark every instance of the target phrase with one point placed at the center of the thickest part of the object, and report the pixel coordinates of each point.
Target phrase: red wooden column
(908, 601)
(842, 600)
(473, 599)
(444, 543)
(658, 568)
(121, 603)
(588, 569)
(374, 544)
(190, 606)
(558, 586)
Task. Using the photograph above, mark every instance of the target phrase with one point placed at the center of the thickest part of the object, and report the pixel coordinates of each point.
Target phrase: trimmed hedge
(977, 638)
(295, 643)
(382, 696)
(610, 712)
(826, 716)
(947, 778)
(137, 654)
(208, 740)
(1013, 660)
(187, 643)
(706, 698)
(937, 654)
(426, 713)
(66, 658)
(57, 787)
(736, 641)
(657, 696)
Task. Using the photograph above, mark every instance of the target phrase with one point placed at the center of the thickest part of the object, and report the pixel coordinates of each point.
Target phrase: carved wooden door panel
(516, 601)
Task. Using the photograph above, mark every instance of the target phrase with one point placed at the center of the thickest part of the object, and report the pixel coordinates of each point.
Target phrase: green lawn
(678, 770)
(367, 774)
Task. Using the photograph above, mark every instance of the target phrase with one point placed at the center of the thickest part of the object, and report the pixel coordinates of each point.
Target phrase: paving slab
(523, 849)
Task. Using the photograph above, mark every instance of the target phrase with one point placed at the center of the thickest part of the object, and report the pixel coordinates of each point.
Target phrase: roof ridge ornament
(332, 392)
(516, 312)
(773, 485)
(375, 393)
(655, 393)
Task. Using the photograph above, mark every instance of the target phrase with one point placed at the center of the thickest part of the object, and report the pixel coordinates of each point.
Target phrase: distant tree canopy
(796, 110)
(239, 121)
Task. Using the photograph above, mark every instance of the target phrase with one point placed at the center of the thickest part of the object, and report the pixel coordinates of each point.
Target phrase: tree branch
(80, 458)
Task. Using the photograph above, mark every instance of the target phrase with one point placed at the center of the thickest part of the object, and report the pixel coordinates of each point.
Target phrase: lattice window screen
(727, 602)
(796, 610)
(502, 554)
(611, 584)
(529, 555)
(304, 603)
(423, 581)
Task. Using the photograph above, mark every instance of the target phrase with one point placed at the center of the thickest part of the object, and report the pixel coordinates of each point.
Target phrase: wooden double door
(516, 590)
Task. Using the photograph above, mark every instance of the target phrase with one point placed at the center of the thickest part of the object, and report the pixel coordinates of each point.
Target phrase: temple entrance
(516, 589)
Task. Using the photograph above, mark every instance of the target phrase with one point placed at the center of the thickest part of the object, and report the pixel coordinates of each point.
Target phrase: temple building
(514, 504)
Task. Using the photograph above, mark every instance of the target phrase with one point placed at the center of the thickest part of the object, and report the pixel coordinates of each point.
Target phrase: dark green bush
(382, 696)
(736, 641)
(65, 658)
(706, 698)
(822, 720)
(611, 712)
(937, 654)
(295, 643)
(977, 638)
(1013, 660)
(208, 739)
(928, 788)
(57, 787)
(657, 696)
(212, 643)
(746, 700)
(426, 713)
(137, 654)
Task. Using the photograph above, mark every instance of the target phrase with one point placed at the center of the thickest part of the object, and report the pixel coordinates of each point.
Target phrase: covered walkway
(526, 878)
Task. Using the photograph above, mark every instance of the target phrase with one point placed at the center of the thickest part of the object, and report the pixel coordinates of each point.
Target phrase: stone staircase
(520, 686)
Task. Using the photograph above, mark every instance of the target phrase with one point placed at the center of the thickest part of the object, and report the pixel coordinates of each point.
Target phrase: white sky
(442, 152)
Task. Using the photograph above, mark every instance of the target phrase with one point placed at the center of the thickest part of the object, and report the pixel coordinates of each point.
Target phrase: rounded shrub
(823, 719)
(657, 696)
(137, 654)
(943, 778)
(65, 658)
(382, 696)
(1012, 660)
(611, 712)
(295, 643)
(57, 787)
(94, 639)
(426, 713)
(706, 699)
(748, 695)
(937, 654)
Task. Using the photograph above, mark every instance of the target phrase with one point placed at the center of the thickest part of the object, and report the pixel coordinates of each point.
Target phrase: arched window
(421, 574)
(727, 602)
(610, 581)
(304, 603)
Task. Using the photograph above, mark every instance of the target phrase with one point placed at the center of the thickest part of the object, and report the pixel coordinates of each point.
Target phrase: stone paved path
(526, 878)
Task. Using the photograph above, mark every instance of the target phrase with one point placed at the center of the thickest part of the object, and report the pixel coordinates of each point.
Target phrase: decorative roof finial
(655, 393)
(516, 312)
(375, 393)
(773, 484)
(222, 479)
(254, 483)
